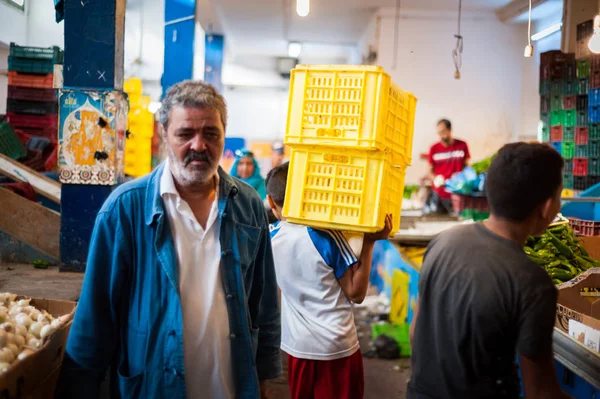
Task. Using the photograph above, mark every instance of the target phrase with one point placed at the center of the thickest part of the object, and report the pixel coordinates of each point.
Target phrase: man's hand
(264, 394)
(383, 234)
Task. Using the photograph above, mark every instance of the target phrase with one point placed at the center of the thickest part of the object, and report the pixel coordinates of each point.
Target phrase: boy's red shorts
(326, 379)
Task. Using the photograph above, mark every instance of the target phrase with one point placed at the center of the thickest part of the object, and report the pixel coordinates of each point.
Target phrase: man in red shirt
(446, 158)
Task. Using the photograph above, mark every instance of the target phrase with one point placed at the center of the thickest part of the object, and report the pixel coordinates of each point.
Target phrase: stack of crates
(138, 151)
(350, 129)
(571, 122)
(32, 104)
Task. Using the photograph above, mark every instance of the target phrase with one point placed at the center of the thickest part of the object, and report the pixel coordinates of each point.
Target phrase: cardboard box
(35, 377)
(585, 335)
(572, 306)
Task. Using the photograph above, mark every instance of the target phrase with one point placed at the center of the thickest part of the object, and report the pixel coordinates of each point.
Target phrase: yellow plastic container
(133, 86)
(357, 107)
(343, 189)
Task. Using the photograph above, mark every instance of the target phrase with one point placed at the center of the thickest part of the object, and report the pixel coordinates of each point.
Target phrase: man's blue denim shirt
(129, 314)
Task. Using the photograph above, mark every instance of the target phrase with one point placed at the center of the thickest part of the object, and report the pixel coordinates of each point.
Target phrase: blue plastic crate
(593, 97)
(594, 114)
(557, 145)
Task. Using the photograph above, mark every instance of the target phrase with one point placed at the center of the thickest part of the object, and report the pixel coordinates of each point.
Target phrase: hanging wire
(396, 33)
(457, 52)
(529, 48)
(529, 26)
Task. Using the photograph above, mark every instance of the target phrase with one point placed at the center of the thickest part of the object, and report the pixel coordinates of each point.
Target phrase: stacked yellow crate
(138, 152)
(350, 129)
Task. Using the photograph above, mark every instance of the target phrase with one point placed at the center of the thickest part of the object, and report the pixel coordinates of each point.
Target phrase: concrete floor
(384, 379)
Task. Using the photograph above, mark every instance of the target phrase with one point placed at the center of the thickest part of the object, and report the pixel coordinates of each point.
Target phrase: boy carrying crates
(319, 277)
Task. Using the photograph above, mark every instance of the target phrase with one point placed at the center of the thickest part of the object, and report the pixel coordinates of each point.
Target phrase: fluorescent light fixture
(546, 32)
(303, 7)
(294, 49)
(594, 43)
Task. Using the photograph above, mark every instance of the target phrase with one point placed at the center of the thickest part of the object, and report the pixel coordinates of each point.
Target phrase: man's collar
(227, 187)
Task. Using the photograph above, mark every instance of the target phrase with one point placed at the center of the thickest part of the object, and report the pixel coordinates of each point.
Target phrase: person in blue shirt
(179, 297)
(246, 168)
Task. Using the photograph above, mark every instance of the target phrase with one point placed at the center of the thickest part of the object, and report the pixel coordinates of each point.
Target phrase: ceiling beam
(515, 9)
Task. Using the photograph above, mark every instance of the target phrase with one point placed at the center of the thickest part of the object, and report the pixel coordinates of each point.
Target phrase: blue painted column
(179, 42)
(213, 60)
(93, 71)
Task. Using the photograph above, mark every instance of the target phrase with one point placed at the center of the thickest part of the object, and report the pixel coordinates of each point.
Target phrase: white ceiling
(264, 27)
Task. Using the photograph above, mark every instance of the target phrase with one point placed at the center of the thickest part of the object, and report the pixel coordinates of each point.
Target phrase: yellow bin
(343, 189)
(355, 107)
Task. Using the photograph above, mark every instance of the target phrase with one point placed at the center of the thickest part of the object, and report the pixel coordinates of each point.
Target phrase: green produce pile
(559, 252)
(409, 190)
(484, 165)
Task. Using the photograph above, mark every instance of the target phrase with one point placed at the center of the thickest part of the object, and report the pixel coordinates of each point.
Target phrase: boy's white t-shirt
(316, 316)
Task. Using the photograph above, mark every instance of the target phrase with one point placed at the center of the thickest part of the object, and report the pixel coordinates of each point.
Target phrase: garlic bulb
(34, 343)
(26, 352)
(10, 338)
(24, 302)
(46, 330)
(23, 319)
(7, 355)
(56, 323)
(35, 328)
(19, 340)
(7, 326)
(4, 366)
(15, 310)
(21, 330)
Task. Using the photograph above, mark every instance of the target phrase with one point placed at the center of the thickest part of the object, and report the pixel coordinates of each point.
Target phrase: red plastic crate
(461, 202)
(29, 80)
(31, 94)
(556, 56)
(32, 121)
(570, 102)
(27, 133)
(595, 63)
(595, 80)
(582, 135)
(580, 166)
(556, 133)
(586, 228)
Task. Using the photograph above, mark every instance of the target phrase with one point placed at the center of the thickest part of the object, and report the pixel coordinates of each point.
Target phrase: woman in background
(247, 170)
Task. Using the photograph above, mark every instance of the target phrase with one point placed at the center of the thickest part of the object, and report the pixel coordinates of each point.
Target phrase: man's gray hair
(194, 94)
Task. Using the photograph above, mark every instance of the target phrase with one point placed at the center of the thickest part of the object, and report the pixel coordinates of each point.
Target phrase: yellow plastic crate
(357, 107)
(342, 189)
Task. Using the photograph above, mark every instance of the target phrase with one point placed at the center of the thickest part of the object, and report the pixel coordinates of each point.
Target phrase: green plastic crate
(556, 103)
(583, 86)
(557, 87)
(545, 119)
(569, 88)
(594, 148)
(569, 134)
(557, 118)
(25, 65)
(10, 145)
(594, 133)
(570, 118)
(545, 87)
(399, 333)
(582, 151)
(594, 166)
(54, 54)
(568, 181)
(544, 135)
(581, 118)
(568, 169)
(583, 69)
(568, 150)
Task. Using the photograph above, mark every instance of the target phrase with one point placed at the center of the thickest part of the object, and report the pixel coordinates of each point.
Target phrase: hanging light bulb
(303, 7)
(594, 43)
(529, 48)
